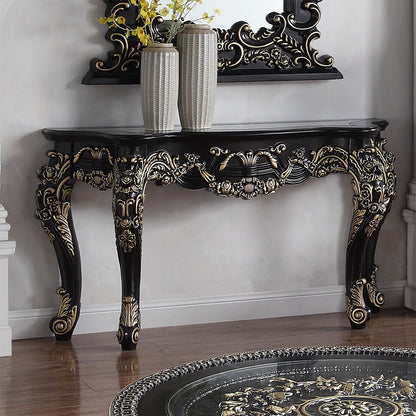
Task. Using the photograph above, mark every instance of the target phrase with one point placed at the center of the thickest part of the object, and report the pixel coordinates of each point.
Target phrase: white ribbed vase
(197, 45)
(159, 83)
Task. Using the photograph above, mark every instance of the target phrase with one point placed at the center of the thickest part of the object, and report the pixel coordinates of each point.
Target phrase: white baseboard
(104, 318)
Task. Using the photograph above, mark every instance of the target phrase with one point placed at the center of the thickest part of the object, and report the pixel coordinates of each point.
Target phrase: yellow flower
(175, 12)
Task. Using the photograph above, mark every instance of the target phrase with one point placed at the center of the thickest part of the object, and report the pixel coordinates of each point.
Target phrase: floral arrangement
(174, 13)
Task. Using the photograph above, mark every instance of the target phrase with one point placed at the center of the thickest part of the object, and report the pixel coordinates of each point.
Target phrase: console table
(243, 161)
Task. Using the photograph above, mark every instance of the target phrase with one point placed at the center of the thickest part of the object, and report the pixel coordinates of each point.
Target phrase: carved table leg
(127, 210)
(356, 282)
(374, 182)
(374, 186)
(53, 209)
(130, 178)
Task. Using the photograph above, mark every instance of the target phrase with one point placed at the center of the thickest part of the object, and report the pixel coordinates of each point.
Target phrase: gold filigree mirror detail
(280, 50)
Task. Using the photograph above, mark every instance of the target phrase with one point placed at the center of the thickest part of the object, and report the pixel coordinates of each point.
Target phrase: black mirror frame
(280, 52)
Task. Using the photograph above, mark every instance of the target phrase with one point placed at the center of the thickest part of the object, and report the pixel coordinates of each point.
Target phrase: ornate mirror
(278, 49)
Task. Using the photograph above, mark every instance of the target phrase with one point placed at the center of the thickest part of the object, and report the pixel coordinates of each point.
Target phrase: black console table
(229, 160)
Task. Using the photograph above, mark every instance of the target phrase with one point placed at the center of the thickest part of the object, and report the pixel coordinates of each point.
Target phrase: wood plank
(81, 377)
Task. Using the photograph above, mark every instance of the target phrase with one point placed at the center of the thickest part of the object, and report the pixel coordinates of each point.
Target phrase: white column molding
(7, 249)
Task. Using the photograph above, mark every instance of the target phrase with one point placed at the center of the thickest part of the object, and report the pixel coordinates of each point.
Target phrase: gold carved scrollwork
(376, 297)
(66, 317)
(373, 180)
(371, 396)
(53, 197)
(374, 183)
(129, 318)
(249, 158)
(130, 180)
(356, 308)
(128, 53)
(326, 160)
(247, 187)
(55, 186)
(97, 178)
(276, 47)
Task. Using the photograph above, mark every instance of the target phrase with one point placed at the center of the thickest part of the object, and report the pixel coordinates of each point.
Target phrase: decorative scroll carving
(129, 190)
(97, 178)
(372, 396)
(248, 187)
(283, 48)
(373, 180)
(279, 47)
(66, 317)
(357, 310)
(56, 180)
(129, 329)
(53, 198)
(376, 297)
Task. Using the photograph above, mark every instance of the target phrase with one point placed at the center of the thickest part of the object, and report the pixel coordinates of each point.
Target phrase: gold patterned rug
(324, 381)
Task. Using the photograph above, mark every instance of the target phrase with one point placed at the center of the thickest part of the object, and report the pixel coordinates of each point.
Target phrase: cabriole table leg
(128, 195)
(374, 185)
(53, 209)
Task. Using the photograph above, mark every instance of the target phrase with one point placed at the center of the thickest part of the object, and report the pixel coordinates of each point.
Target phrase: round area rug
(326, 381)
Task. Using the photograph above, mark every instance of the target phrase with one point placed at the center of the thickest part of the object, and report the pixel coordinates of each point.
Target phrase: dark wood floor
(81, 377)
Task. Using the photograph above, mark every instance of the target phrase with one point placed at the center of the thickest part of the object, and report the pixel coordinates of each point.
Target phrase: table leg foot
(357, 311)
(63, 324)
(128, 337)
(128, 333)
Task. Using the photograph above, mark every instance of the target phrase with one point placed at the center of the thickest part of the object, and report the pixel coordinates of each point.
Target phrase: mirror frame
(280, 52)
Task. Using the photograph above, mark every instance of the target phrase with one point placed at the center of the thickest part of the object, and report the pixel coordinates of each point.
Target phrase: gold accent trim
(129, 312)
(97, 177)
(53, 197)
(357, 220)
(376, 297)
(129, 190)
(373, 180)
(66, 316)
(129, 319)
(249, 158)
(247, 187)
(55, 186)
(356, 308)
(372, 396)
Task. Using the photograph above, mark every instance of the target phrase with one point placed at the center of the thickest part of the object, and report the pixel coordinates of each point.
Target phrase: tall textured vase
(159, 83)
(197, 45)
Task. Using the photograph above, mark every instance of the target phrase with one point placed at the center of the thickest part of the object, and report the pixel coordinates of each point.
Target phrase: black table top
(229, 131)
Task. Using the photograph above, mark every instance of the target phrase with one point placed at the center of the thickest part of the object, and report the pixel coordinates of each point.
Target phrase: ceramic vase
(159, 83)
(197, 45)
